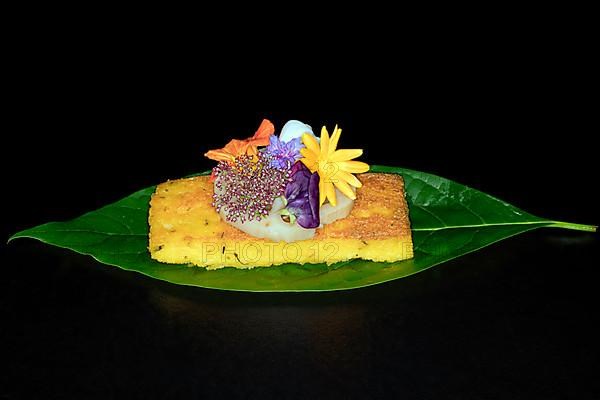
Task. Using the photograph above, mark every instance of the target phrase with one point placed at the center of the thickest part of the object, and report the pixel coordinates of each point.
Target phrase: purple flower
(284, 154)
(302, 195)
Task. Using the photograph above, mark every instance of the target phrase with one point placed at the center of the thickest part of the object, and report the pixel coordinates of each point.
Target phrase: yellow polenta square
(186, 229)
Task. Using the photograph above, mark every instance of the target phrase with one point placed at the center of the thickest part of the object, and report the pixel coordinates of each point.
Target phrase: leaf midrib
(482, 225)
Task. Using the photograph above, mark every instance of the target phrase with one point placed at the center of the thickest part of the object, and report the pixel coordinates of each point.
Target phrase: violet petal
(302, 195)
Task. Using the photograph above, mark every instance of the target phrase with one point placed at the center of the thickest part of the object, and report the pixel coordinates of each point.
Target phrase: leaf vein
(432, 214)
(110, 217)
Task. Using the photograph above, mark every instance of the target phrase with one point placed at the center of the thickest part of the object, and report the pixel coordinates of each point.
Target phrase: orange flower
(236, 147)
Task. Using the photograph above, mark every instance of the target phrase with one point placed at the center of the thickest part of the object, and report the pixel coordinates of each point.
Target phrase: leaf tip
(13, 237)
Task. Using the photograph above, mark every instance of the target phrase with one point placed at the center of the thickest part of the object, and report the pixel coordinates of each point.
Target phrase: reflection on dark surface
(514, 320)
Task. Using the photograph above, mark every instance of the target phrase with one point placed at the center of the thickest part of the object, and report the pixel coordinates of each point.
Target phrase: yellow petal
(349, 178)
(353, 167)
(328, 170)
(308, 153)
(330, 190)
(344, 155)
(310, 163)
(321, 192)
(324, 142)
(335, 137)
(311, 143)
(345, 189)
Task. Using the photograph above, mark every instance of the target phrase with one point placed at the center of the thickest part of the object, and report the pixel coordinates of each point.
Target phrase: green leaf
(448, 220)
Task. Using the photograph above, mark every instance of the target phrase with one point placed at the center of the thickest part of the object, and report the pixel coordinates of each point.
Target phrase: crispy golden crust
(185, 228)
(380, 211)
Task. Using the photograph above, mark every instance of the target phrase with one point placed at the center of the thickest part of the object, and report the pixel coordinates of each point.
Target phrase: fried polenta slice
(186, 229)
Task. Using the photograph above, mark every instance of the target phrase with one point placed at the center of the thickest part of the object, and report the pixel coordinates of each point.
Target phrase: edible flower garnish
(284, 154)
(236, 147)
(302, 195)
(246, 189)
(334, 166)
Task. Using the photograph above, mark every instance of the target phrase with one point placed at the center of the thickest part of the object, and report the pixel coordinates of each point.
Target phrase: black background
(514, 320)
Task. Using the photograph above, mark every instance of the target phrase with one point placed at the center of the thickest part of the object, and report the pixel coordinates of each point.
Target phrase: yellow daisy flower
(334, 166)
